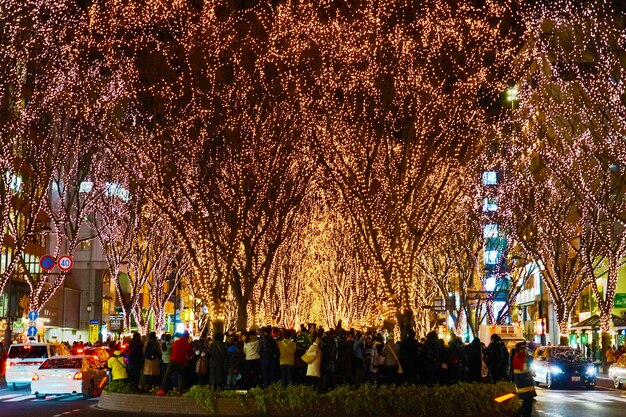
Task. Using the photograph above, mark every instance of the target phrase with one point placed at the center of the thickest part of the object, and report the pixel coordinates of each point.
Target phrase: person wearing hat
(523, 379)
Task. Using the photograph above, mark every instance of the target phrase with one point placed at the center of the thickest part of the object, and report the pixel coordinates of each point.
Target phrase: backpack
(202, 366)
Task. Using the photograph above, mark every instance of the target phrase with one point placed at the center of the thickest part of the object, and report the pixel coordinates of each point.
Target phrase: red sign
(65, 263)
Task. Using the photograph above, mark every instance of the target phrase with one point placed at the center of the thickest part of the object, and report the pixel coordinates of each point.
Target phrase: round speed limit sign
(65, 263)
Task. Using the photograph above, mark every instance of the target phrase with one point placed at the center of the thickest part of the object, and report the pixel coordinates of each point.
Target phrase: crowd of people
(313, 356)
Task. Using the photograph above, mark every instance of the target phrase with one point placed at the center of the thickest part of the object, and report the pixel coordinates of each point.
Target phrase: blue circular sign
(32, 331)
(32, 315)
(46, 262)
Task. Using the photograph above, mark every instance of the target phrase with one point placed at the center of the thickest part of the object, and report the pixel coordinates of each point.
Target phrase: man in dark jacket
(497, 359)
(268, 350)
(409, 356)
(217, 360)
(474, 361)
(134, 351)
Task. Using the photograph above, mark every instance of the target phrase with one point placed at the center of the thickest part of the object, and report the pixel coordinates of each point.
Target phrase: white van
(24, 358)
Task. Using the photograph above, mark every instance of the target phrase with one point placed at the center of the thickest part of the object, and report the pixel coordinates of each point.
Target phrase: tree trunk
(405, 322)
(217, 326)
(563, 339)
(562, 318)
(242, 314)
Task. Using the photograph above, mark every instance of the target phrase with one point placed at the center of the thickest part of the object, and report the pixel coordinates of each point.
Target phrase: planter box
(234, 407)
(149, 404)
(188, 406)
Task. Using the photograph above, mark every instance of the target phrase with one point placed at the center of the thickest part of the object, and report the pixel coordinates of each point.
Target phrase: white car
(24, 358)
(69, 375)
(617, 372)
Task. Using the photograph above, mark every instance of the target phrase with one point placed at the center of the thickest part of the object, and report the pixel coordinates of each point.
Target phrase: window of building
(490, 178)
(490, 204)
(490, 230)
(84, 245)
(85, 187)
(490, 257)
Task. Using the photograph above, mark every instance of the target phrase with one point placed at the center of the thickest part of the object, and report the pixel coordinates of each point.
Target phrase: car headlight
(556, 370)
(591, 370)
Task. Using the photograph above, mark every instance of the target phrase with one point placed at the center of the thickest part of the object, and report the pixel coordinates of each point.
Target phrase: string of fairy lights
(571, 140)
(306, 157)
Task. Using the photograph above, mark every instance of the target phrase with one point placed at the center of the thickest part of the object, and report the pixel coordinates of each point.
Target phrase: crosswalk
(26, 396)
(583, 396)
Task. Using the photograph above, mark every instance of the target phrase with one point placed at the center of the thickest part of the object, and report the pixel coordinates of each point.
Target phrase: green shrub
(280, 400)
(119, 387)
(369, 400)
(206, 397)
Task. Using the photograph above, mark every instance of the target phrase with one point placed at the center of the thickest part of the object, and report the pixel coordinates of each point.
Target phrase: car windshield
(63, 363)
(27, 352)
(570, 355)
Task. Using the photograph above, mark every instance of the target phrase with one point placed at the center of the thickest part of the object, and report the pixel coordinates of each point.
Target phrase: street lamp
(512, 95)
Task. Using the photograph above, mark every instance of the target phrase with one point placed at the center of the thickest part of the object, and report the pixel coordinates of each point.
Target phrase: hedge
(368, 400)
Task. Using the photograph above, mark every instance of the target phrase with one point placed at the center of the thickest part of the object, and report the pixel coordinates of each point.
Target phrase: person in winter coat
(166, 351)
(217, 360)
(523, 379)
(287, 349)
(181, 352)
(409, 356)
(474, 361)
(329, 349)
(202, 363)
(497, 359)
(268, 351)
(117, 366)
(134, 351)
(303, 341)
(370, 360)
(151, 365)
(431, 359)
(314, 369)
(344, 359)
(234, 360)
(252, 363)
(456, 360)
(391, 353)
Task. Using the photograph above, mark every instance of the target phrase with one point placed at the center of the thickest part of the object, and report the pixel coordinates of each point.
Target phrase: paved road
(600, 402)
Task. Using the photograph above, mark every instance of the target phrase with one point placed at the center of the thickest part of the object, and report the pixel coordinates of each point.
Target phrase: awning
(593, 323)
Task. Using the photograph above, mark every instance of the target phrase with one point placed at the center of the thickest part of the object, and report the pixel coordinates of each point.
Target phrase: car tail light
(78, 376)
(35, 377)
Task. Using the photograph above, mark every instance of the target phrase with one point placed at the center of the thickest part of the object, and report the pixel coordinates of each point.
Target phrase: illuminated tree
(10, 184)
(572, 120)
(75, 192)
(454, 267)
(117, 225)
(52, 125)
(403, 121)
(169, 270)
(544, 222)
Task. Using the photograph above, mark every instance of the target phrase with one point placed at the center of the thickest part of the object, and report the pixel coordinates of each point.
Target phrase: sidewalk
(603, 381)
